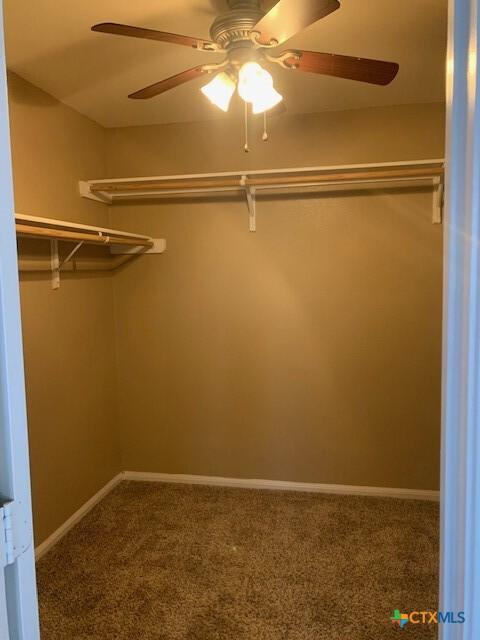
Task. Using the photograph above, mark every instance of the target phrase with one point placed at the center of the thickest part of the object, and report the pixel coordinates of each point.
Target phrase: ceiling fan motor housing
(234, 26)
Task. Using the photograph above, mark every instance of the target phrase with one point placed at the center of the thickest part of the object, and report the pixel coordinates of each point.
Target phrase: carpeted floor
(177, 562)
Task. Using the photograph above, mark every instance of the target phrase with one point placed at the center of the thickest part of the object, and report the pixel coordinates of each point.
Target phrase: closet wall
(68, 334)
(309, 351)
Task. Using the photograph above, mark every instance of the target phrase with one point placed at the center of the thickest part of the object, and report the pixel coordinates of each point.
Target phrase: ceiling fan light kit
(220, 90)
(255, 85)
(248, 36)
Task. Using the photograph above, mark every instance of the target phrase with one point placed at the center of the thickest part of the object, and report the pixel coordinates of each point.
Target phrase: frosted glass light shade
(267, 101)
(220, 91)
(255, 85)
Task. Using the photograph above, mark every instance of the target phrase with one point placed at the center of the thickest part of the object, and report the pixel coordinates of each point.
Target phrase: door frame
(18, 595)
(460, 476)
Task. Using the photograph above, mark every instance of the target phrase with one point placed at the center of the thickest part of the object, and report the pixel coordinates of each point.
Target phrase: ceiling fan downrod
(234, 26)
(244, 4)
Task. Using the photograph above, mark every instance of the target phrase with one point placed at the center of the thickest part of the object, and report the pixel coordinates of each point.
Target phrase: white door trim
(460, 487)
(4, 632)
(19, 587)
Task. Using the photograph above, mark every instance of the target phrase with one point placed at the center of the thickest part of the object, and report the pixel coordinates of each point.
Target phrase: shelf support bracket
(55, 264)
(71, 254)
(84, 189)
(251, 204)
(437, 215)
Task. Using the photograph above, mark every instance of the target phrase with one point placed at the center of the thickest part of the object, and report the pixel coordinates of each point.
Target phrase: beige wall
(362, 135)
(68, 334)
(309, 351)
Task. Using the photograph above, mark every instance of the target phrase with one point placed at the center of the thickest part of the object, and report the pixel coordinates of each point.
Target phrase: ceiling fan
(249, 37)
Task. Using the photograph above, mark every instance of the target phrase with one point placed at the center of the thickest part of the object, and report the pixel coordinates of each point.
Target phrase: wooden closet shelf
(119, 242)
(48, 228)
(30, 231)
(264, 181)
(249, 183)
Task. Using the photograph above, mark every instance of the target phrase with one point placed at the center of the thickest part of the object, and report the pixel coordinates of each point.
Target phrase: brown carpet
(177, 562)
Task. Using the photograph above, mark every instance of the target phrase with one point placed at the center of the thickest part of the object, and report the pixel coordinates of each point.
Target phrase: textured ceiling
(50, 44)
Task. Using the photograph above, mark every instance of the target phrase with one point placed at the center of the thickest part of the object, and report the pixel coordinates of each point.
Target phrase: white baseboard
(47, 544)
(275, 485)
(280, 485)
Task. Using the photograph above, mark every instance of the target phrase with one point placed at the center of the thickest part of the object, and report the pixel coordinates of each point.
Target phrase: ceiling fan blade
(331, 64)
(288, 17)
(152, 34)
(167, 84)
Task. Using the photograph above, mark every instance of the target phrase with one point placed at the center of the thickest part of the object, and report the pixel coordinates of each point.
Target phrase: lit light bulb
(220, 90)
(255, 85)
(267, 101)
(251, 80)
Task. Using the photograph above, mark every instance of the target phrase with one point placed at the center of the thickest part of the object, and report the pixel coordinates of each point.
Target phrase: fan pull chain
(265, 132)
(246, 147)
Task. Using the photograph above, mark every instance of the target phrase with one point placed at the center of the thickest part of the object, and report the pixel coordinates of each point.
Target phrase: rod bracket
(437, 214)
(71, 254)
(85, 192)
(55, 264)
(250, 193)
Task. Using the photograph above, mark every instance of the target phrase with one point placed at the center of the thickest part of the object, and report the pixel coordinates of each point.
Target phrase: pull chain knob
(246, 147)
(265, 132)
